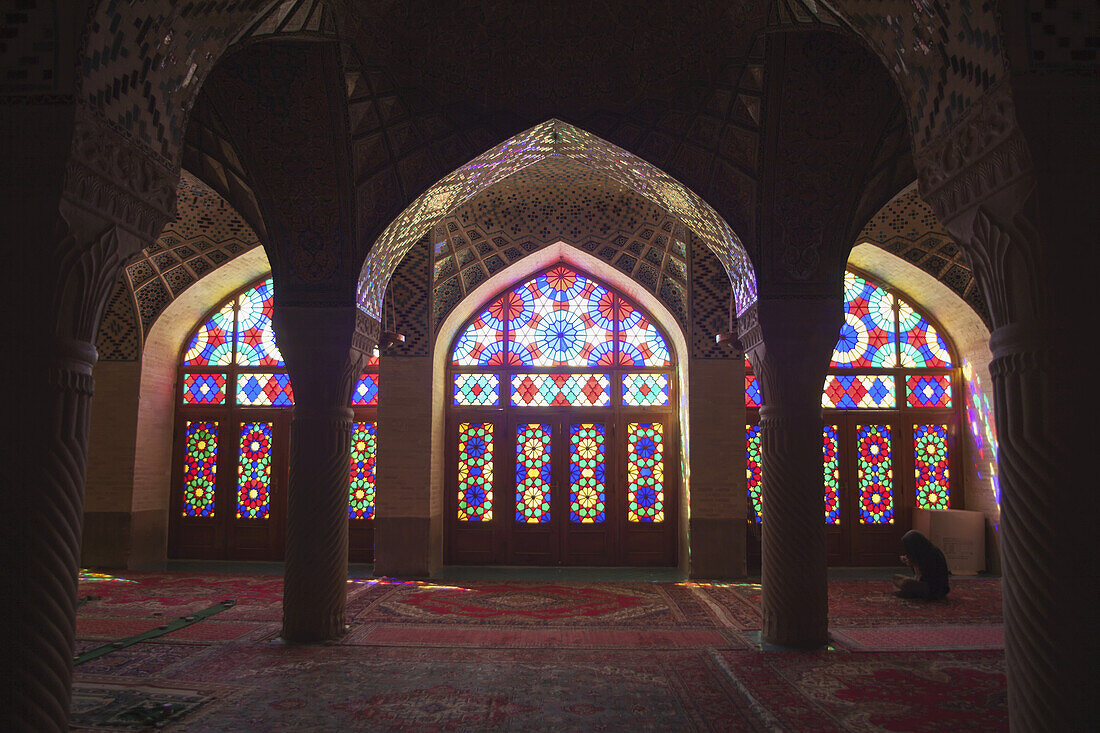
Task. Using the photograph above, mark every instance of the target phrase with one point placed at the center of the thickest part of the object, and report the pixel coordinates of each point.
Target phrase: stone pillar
(325, 348)
(408, 526)
(79, 201)
(716, 459)
(789, 342)
(1023, 222)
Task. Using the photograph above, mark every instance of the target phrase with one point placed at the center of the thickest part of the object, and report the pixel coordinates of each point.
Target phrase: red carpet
(528, 655)
(922, 638)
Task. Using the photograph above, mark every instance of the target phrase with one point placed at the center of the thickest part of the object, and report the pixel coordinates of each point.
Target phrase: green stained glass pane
(200, 467)
(254, 471)
(587, 474)
(361, 471)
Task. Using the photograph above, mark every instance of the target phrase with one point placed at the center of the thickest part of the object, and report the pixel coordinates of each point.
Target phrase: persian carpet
(914, 691)
(935, 637)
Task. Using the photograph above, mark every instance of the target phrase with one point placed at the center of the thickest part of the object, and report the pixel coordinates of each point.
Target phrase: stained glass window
(867, 338)
(753, 396)
(255, 336)
(932, 390)
(263, 390)
(921, 345)
(482, 343)
(562, 319)
(753, 471)
(875, 474)
(640, 343)
(553, 390)
(212, 343)
(645, 472)
(476, 389)
(587, 474)
(847, 391)
(204, 389)
(832, 475)
(475, 472)
(931, 467)
(361, 471)
(533, 473)
(645, 390)
(200, 467)
(254, 471)
(366, 390)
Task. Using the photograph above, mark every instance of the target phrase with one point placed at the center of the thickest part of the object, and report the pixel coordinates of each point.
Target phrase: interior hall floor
(529, 649)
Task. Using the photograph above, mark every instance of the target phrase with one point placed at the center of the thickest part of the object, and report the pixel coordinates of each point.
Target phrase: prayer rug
(113, 705)
(873, 603)
(921, 638)
(525, 638)
(830, 691)
(386, 688)
(568, 604)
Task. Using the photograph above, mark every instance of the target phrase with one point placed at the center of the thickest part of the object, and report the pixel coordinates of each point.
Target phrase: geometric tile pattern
(119, 337)
(406, 305)
(710, 304)
(205, 234)
(559, 199)
(907, 227)
(543, 141)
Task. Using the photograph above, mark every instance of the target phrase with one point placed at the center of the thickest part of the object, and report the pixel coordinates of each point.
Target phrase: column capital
(111, 175)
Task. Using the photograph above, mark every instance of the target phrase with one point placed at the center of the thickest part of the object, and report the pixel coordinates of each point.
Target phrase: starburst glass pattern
(587, 474)
(254, 471)
(476, 389)
(645, 472)
(559, 390)
(366, 390)
(753, 471)
(875, 474)
(921, 345)
(868, 336)
(847, 391)
(561, 318)
(361, 471)
(255, 336)
(482, 343)
(931, 466)
(533, 473)
(264, 390)
(645, 390)
(640, 343)
(204, 389)
(832, 475)
(200, 467)
(928, 391)
(753, 396)
(212, 343)
(475, 472)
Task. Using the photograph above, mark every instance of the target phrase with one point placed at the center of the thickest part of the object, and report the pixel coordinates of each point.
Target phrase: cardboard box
(960, 534)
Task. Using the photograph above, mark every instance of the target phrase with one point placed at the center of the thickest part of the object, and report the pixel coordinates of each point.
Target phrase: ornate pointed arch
(552, 138)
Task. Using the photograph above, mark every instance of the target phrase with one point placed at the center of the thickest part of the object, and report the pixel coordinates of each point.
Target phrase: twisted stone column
(325, 348)
(789, 342)
(42, 541)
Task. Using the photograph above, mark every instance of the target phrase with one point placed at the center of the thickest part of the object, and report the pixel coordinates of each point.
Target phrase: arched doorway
(562, 429)
(892, 414)
(232, 439)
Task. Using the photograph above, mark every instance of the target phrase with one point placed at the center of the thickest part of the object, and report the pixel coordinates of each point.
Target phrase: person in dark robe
(929, 566)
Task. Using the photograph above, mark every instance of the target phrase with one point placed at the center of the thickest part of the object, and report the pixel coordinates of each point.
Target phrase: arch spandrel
(552, 138)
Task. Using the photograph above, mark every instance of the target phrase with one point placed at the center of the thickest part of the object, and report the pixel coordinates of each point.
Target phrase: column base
(407, 547)
(717, 548)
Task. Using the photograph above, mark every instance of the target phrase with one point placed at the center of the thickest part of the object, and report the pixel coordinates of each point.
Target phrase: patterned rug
(873, 603)
(839, 691)
(922, 638)
(536, 655)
